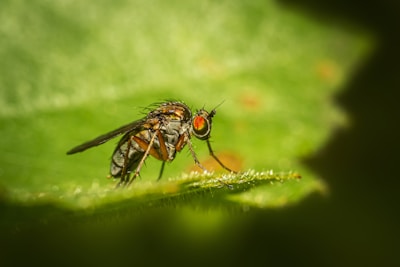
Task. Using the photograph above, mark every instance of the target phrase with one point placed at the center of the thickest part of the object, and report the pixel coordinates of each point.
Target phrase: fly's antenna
(213, 111)
(217, 106)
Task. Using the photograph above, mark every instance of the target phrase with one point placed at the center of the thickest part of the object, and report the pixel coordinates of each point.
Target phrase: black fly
(163, 132)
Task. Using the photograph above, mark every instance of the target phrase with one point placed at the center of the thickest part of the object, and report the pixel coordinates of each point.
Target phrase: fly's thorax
(172, 131)
(173, 110)
(173, 126)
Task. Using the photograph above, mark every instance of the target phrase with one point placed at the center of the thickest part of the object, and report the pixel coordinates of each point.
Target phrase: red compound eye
(201, 127)
(199, 123)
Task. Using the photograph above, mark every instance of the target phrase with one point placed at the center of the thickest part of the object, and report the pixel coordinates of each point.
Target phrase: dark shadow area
(357, 225)
(360, 223)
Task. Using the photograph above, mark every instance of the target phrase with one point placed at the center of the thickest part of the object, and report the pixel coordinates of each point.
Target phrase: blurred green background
(72, 70)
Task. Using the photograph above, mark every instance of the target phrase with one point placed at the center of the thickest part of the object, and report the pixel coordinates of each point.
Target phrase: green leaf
(72, 70)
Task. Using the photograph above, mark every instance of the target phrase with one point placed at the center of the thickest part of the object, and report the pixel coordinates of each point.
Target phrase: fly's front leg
(229, 186)
(217, 159)
(146, 153)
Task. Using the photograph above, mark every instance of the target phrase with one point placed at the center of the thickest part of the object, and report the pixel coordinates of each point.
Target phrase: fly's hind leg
(124, 180)
(146, 153)
(125, 174)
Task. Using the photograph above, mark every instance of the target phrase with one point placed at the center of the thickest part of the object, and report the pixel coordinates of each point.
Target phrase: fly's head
(201, 124)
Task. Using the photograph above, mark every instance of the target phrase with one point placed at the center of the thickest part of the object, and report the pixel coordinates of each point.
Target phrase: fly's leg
(203, 168)
(161, 171)
(123, 182)
(229, 186)
(146, 153)
(217, 159)
(163, 153)
(194, 156)
(124, 173)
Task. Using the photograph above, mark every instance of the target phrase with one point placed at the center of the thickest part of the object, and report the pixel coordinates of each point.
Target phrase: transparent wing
(134, 127)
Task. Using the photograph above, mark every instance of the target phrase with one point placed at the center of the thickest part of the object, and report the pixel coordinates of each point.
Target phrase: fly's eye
(201, 127)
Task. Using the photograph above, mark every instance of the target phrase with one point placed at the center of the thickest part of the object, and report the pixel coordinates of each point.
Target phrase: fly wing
(134, 127)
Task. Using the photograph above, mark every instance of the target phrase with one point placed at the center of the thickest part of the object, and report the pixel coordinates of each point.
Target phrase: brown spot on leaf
(250, 100)
(327, 70)
(230, 160)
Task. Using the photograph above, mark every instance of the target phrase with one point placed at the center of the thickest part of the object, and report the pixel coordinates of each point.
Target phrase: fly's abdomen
(134, 156)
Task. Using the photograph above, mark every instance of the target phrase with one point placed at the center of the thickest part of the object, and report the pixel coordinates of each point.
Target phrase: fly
(161, 134)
